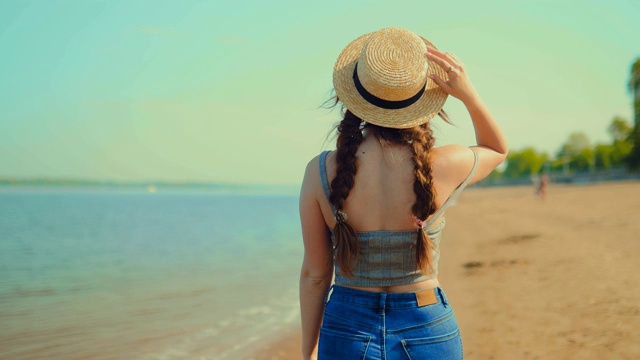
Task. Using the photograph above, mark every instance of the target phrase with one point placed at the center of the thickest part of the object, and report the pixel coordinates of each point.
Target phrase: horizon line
(110, 182)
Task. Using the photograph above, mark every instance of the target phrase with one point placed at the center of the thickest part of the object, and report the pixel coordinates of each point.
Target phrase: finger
(443, 84)
(440, 61)
(435, 52)
(456, 58)
(451, 58)
(431, 49)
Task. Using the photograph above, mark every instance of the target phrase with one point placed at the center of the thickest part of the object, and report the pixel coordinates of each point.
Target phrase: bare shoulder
(312, 170)
(329, 164)
(457, 161)
(311, 182)
(452, 163)
(453, 152)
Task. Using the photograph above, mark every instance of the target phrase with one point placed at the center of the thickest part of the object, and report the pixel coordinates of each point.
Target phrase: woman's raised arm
(491, 143)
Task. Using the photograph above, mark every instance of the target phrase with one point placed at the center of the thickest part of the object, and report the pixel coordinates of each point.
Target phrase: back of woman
(372, 211)
(382, 195)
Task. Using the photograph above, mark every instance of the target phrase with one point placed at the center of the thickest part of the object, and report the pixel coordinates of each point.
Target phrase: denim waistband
(377, 300)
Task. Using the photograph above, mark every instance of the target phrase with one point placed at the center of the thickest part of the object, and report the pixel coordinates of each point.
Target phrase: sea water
(127, 274)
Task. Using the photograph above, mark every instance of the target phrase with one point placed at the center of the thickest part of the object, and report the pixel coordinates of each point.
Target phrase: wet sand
(538, 280)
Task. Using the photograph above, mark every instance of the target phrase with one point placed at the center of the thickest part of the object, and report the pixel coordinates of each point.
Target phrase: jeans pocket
(334, 344)
(442, 347)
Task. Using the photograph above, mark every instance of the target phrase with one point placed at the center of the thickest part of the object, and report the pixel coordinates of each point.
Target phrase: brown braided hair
(346, 240)
(422, 141)
(350, 136)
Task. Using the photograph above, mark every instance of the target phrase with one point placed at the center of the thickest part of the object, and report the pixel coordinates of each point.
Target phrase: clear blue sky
(229, 91)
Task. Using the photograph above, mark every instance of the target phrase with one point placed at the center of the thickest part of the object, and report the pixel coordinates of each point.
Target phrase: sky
(230, 91)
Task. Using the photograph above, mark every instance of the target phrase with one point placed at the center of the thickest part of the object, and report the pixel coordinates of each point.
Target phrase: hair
(350, 136)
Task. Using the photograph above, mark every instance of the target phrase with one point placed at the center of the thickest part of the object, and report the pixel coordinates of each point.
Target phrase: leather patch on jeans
(426, 297)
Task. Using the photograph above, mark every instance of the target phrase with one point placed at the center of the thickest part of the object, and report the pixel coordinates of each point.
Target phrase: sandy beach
(538, 280)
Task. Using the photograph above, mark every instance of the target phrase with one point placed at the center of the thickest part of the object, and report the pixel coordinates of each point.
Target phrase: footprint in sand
(515, 239)
(505, 263)
(473, 264)
(496, 263)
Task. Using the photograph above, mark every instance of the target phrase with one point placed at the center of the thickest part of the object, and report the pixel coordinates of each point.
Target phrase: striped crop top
(388, 257)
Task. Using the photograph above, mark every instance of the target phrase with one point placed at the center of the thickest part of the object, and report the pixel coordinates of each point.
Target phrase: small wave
(259, 310)
(25, 293)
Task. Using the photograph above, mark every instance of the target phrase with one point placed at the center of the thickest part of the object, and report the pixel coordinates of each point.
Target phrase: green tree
(633, 160)
(620, 131)
(577, 151)
(604, 156)
(525, 162)
(634, 87)
(621, 151)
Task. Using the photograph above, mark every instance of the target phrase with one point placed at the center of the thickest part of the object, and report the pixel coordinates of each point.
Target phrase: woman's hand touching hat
(458, 85)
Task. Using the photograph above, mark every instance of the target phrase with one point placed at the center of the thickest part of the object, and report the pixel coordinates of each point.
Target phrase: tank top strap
(455, 192)
(324, 179)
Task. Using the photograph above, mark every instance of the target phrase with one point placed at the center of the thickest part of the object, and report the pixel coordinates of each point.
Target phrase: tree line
(577, 154)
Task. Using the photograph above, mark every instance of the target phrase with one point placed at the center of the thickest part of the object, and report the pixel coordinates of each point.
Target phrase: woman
(373, 209)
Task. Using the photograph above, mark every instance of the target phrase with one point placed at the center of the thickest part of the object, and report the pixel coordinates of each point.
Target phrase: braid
(425, 204)
(350, 137)
(346, 241)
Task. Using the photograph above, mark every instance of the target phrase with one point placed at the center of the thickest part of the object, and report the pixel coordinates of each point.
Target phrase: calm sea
(127, 274)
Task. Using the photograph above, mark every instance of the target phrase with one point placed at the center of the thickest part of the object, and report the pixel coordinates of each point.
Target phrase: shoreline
(530, 279)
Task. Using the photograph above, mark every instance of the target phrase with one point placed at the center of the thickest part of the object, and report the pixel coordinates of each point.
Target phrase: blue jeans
(368, 325)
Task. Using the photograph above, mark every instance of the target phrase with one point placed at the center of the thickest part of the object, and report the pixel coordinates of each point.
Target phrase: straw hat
(383, 78)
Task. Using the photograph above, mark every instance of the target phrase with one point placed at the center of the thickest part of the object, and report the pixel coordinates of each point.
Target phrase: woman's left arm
(317, 267)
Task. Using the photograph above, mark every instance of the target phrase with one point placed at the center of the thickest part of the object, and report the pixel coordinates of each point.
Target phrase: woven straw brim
(423, 110)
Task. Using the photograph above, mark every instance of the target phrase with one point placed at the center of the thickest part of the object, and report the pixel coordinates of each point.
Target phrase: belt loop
(327, 296)
(442, 297)
(382, 303)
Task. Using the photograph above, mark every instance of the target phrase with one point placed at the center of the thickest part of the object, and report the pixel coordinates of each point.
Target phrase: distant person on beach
(542, 185)
(372, 211)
